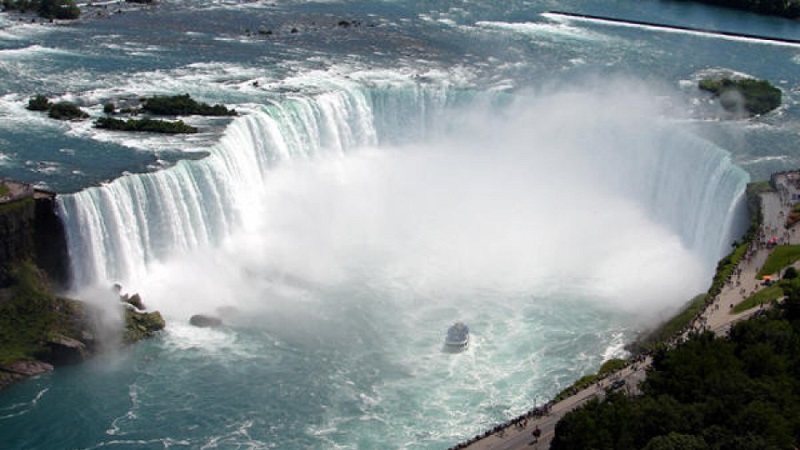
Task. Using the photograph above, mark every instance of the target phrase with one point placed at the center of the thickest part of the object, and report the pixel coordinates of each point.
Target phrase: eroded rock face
(22, 369)
(205, 321)
(64, 350)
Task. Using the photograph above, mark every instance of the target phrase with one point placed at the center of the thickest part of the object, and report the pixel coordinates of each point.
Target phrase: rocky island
(743, 97)
(175, 105)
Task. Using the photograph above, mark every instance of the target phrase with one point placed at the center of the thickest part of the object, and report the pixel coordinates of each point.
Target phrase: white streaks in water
(19, 409)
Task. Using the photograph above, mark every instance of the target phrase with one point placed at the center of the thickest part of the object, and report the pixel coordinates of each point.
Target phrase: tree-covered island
(176, 105)
(145, 125)
(743, 97)
(48, 9)
(183, 105)
(63, 110)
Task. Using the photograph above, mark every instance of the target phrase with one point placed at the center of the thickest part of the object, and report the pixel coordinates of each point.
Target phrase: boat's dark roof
(457, 332)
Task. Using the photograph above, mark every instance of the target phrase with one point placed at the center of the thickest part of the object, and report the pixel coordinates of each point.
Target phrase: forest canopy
(740, 391)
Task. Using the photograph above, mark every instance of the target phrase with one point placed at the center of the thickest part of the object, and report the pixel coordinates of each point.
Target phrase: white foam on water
(542, 29)
(31, 52)
(21, 408)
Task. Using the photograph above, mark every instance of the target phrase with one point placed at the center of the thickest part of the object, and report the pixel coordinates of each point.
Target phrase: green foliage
(49, 9)
(759, 96)
(790, 273)
(742, 391)
(16, 205)
(62, 110)
(180, 105)
(31, 315)
(611, 366)
(676, 441)
(145, 125)
(765, 295)
(66, 111)
(582, 383)
(22, 6)
(109, 108)
(59, 9)
(608, 367)
(39, 103)
(783, 8)
(781, 256)
(140, 325)
(671, 327)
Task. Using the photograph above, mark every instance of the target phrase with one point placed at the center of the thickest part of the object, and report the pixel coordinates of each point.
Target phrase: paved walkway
(716, 317)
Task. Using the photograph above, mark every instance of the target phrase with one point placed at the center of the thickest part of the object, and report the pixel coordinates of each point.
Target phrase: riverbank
(733, 284)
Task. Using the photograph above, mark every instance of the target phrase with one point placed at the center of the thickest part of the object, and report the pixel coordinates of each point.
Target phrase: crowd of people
(519, 422)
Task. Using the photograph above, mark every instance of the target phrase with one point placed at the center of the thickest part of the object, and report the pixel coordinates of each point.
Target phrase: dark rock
(204, 321)
(135, 300)
(141, 325)
(30, 229)
(64, 350)
(50, 240)
(20, 370)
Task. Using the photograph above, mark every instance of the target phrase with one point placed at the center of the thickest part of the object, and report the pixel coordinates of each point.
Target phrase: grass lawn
(782, 256)
(765, 295)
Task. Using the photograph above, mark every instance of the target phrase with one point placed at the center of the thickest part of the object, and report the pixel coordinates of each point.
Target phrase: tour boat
(457, 337)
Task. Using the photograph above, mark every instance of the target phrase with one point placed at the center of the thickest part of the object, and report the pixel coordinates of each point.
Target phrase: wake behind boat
(457, 338)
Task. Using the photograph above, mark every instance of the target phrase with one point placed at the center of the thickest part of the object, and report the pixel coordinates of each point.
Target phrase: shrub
(59, 9)
(790, 273)
(66, 111)
(145, 125)
(759, 96)
(178, 105)
(39, 103)
(109, 108)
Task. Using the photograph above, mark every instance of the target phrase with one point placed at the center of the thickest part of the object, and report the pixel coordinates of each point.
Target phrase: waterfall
(117, 230)
(694, 187)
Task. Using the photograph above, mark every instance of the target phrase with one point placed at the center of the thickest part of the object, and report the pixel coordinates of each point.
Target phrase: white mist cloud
(541, 199)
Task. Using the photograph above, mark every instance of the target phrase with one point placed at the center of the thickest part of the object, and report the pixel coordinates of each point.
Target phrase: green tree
(66, 111)
(675, 441)
(59, 9)
(39, 103)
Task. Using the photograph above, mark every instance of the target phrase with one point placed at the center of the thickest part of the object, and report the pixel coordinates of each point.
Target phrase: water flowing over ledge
(117, 230)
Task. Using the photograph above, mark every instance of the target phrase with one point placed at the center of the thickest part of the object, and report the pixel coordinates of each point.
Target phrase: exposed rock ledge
(21, 370)
(39, 330)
